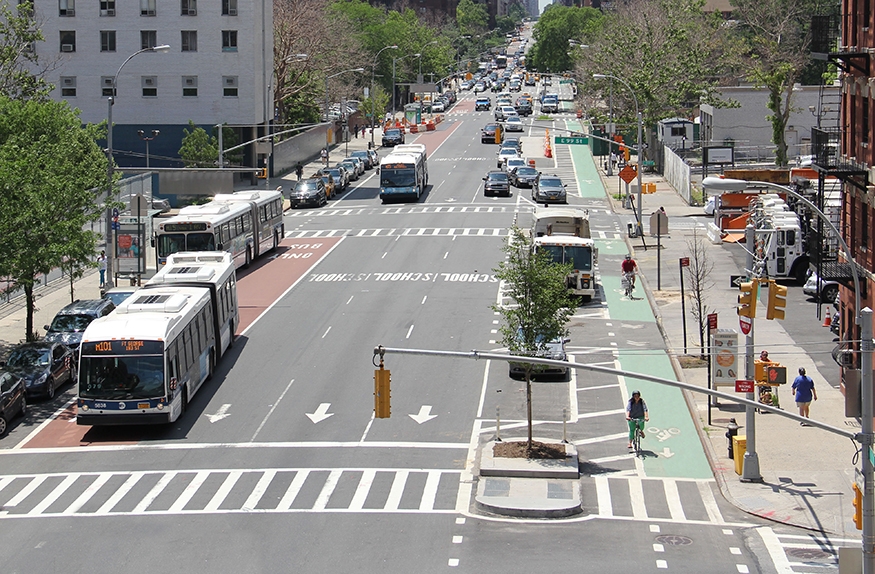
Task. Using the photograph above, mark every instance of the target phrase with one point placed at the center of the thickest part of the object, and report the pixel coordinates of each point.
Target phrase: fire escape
(826, 141)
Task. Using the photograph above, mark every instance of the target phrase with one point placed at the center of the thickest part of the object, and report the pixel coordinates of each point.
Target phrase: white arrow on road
(666, 452)
(424, 414)
(321, 413)
(220, 414)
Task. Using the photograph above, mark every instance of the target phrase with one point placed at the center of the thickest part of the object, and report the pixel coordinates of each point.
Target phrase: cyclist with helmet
(630, 269)
(636, 414)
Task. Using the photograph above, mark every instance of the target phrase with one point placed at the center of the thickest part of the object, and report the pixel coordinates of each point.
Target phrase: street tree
(22, 74)
(199, 149)
(542, 306)
(50, 168)
(698, 275)
(472, 18)
(556, 26)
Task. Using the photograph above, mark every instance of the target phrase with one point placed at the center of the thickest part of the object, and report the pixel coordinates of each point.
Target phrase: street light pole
(110, 168)
(327, 117)
(640, 231)
(393, 78)
(147, 139)
(374, 103)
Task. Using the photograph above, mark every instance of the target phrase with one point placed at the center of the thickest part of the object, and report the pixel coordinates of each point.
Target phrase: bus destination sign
(123, 347)
(171, 227)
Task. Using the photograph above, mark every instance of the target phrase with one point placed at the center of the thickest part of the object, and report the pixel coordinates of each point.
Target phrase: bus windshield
(122, 377)
(579, 257)
(397, 177)
(171, 243)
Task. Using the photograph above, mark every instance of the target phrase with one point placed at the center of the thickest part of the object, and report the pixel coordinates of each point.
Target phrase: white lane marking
(453, 562)
(599, 387)
(270, 411)
(44, 424)
(573, 413)
(742, 569)
(658, 548)
(396, 490)
(120, 493)
(367, 428)
(446, 254)
(223, 491)
(327, 490)
(259, 490)
(325, 334)
(424, 414)
(662, 564)
(600, 414)
(88, 493)
(735, 551)
(154, 493)
(603, 495)
(457, 539)
(361, 491)
(348, 301)
(53, 495)
(220, 414)
(711, 504)
(409, 331)
(636, 494)
(598, 439)
(384, 255)
(25, 492)
(189, 491)
(776, 551)
(293, 490)
(654, 528)
(429, 493)
(673, 497)
(424, 297)
(321, 413)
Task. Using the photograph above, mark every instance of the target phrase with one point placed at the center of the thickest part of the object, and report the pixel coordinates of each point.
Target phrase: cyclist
(636, 414)
(630, 269)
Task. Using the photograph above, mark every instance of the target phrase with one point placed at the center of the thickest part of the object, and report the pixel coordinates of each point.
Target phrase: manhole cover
(674, 540)
(809, 553)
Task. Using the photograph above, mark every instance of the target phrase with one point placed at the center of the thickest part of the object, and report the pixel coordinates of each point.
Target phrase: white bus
(143, 362)
(215, 271)
(404, 173)
(245, 224)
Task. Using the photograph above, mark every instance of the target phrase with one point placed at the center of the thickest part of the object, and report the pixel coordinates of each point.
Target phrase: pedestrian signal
(777, 301)
(858, 507)
(747, 299)
(382, 407)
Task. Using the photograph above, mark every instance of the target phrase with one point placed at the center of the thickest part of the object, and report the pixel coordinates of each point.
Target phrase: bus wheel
(276, 240)
(248, 257)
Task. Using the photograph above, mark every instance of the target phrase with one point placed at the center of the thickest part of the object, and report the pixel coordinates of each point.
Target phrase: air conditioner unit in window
(109, 12)
(190, 82)
(66, 47)
(230, 82)
(232, 11)
(69, 82)
(148, 82)
(192, 12)
(147, 12)
(69, 12)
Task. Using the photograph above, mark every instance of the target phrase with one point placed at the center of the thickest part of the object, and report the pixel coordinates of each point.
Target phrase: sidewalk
(807, 473)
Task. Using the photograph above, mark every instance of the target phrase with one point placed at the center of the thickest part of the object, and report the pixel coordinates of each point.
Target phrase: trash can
(739, 447)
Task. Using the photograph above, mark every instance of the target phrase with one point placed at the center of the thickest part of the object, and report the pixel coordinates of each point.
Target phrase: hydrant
(731, 431)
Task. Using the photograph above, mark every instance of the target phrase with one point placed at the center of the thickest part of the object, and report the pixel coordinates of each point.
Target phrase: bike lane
(671, 447)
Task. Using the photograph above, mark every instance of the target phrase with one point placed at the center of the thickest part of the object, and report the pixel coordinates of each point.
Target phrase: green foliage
(543, 303)
(20, 73)
(471, 18)
(50, 166)
(199, 149)
(556, 26)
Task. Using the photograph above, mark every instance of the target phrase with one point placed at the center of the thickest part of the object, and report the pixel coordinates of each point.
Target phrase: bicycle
(637, 436)
(628, 284)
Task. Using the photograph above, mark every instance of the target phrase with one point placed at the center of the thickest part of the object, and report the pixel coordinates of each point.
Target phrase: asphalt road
(280, 466)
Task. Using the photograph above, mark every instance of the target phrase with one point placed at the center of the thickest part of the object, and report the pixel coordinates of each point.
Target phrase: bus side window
(791, 237)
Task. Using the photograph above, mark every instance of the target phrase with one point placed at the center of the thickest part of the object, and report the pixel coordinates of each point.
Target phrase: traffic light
(777, 301)
(382, 379)
(747, 299)
(858, 507)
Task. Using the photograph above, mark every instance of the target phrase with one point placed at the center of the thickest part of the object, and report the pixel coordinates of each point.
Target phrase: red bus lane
(433, 140)
(257, 289)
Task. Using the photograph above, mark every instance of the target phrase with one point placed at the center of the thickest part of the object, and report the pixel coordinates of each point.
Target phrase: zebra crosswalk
(404, 232)
(280, 490)
(809, 553)
(406, 209)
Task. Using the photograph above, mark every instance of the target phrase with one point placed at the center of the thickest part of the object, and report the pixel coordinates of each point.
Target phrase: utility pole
(751, 468)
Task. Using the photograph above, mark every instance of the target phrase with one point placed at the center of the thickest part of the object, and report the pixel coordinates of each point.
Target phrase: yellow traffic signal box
(777, 301)
(858, 507)
(382, 406)
(747, 299)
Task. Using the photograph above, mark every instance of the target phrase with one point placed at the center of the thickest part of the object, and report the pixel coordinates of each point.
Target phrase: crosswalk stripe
(259, 489)
(54, 495)
(430, 492)
(327, 490)
(5, 481)
(603, 496)
(90, 491)
(673, 496)
(189, 491)
(154, 493)
(636, 494)
(293, 490)
(361, 491)
(223, 490)
(710, 503)
(397, 490)
(26, 491)
(120, 493)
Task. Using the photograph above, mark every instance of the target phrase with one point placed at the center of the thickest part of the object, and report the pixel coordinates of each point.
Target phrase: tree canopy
(21, 73)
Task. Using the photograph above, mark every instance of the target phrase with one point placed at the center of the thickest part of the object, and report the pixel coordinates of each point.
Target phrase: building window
(229, 7)
(66, 7)
(68, 41)
(107, 7)
(107, 40)
(188, 7)
(148, 39)
(865, 123)
(147, 7)
(106, 86)
(229, 40)
(150, 86)
(189, 40)
(229, 86)
(189, 86)
(68, 86)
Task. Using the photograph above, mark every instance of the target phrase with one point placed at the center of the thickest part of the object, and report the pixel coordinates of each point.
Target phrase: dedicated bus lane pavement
(258, 288)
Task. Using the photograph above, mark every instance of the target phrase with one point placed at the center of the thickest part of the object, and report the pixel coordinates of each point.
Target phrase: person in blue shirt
(803, 386)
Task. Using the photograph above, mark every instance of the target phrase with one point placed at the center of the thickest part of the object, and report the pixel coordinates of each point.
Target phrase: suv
(482, 104)
(308, 191)
(549, 189)
(393, 137)
(365, 156)
(550, 105)
(497, 183)
(505, 112)
(70, 322)
(524, 107)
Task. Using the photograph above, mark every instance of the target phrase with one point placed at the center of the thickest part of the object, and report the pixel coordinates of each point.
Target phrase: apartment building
(218, 68)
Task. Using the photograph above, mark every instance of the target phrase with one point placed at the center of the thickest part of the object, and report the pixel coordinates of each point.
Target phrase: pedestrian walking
(324, 154)
(101, 266)
(299, 170)
(356, 131)
(805, 392)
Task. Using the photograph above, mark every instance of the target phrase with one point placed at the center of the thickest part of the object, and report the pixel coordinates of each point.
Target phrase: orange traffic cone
(827, 320)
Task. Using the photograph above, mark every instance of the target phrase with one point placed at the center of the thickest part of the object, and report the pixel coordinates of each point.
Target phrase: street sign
(685, 261)
(744, 323)
(566, 82)
(571, 140)
(736, 280)
(628, 174)
(712, 321)
(744, 386)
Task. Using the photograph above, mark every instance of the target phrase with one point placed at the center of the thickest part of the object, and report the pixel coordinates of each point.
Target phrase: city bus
(245, 224)
(404, 173)
(216, 272)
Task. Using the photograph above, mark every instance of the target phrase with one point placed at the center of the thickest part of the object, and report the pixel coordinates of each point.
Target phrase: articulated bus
(245, 224)
(142, 363)
(404, 173)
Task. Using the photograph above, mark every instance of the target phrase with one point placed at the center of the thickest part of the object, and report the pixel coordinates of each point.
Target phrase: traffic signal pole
(865, 439)
(751, 468)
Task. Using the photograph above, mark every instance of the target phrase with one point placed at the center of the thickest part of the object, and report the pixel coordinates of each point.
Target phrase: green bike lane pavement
(672, 447)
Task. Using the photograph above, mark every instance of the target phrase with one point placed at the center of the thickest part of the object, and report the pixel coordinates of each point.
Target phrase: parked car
(437, 106)
(555, 350)
(549, 189)
(310, 191)
(504, 154)
(523, 176)
(119, 294)
(44, 366)
(13, 399)
(70, 322)
(341, 178)
(496, 183)
(375, 157)
(514, 162)
(828, 289)
(354, 167)
(514, 124)
(328, 180)
(393, 137)
(363, 155)
(513, 142)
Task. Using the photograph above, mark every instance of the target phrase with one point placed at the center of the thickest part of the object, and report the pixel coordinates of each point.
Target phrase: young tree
(21, 73)
(543, 304)
(698, 275)
(50, 166)
(199, 149)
